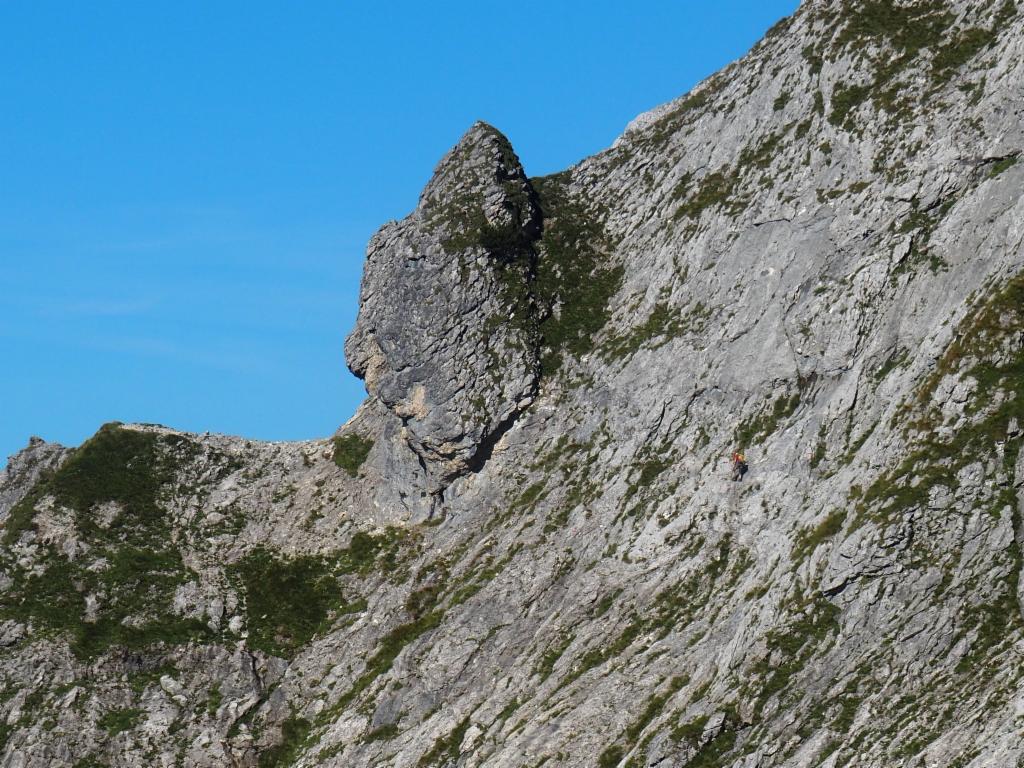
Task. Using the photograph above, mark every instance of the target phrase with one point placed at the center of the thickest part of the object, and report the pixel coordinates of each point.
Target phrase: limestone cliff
(525, 549)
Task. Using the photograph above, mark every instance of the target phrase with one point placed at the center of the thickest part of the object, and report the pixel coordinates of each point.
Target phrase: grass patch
(711, 754)
(908, 28)
(119, 720)
(654, 707)
(759, 427)
(665, 127)
(383, 733)
(675, 607)
(460, 220)
(140, 584)
(986, 349)
(845, 101)
(287, 600)
(380, 663)
(531, 496)
(294, 732)
(965, 46)
(214, 699)
(576, 278)
(661, 326)
(291, 599)
(610, 757)
(921, 224)
(904, 32)
(350, 451)
(1002, 165)
(716, 190)
(815, 621)
(445, 750)
(132, 472)
(119, 466)
(897, 359)
(979, 352)
(650, 470)
(810, 538)
(690, 732)
(140, 681)
(551, 656)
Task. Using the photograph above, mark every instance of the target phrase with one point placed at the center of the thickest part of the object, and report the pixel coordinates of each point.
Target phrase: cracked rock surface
(525, 548)
(446, 335)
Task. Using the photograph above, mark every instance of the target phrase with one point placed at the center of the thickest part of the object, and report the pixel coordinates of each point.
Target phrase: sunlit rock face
(446, 335)
(525, 548)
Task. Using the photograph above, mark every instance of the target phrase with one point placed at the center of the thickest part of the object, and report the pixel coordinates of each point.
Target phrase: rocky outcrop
(25, 469)
(525, 548)
(446, 336)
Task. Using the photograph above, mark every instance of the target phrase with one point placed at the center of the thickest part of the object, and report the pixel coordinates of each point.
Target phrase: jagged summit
(445, 337)
(481, 176)
(525, 548)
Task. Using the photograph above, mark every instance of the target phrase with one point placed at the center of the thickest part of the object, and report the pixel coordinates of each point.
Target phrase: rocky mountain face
(525, 548)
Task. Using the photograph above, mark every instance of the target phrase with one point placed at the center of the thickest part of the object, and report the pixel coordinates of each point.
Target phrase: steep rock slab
(815, 255)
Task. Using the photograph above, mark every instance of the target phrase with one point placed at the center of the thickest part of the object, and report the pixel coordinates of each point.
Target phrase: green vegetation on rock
(815, 620)
(986, 351)
(610, 757)
(125, 472)
(119, 720)
(662, 325)
(214, 700)
(294, 731)
(755, 429)
(809, 539)
(910, 30)
(1002, 165)
(120, 466)
(141, 680)
(712, 754)
(716, 190)
(445, 750)
(350, 451)
(576, 277)
(288, 600)
(654, 707)
(845, 100)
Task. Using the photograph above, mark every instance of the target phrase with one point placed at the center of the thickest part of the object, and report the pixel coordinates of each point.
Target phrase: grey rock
(815, 256)
(445, 336)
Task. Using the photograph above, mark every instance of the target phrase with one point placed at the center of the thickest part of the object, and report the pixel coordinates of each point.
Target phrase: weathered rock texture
(443, 337)
(524, 549)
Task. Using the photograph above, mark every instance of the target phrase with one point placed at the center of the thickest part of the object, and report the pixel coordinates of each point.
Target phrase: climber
(739, 465)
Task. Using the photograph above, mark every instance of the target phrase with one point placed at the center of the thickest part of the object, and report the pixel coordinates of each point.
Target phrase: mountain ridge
(524, 548)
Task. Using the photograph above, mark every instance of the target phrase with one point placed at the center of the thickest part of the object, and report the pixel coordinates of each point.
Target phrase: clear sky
(187, 188)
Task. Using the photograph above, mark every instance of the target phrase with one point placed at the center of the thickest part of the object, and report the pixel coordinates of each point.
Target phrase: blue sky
(187, 189)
